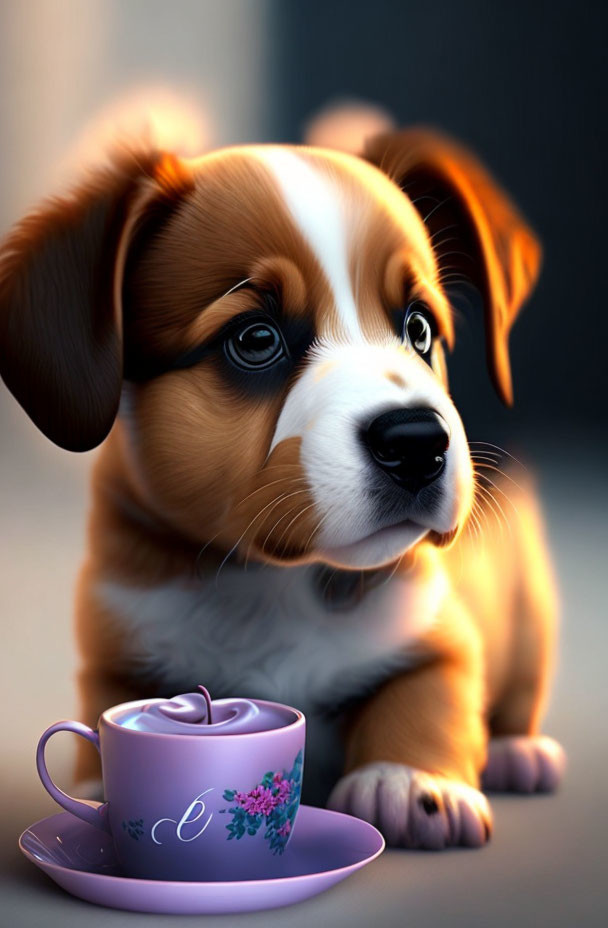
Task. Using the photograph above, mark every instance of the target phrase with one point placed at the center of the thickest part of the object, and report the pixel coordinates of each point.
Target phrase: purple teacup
(196, 790)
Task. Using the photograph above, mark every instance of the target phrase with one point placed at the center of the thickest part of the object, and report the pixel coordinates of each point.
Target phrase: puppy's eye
(418, 328)
(256, 345)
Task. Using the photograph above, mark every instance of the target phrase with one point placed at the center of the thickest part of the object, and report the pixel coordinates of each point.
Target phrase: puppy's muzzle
(409, 445)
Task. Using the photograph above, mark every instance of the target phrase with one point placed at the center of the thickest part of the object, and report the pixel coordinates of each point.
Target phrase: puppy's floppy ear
(61, 352)
(477, 232)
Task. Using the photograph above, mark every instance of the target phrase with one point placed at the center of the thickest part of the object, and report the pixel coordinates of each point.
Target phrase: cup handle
(89, 811)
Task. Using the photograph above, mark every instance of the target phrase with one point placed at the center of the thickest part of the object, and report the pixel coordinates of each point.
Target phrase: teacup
(190, 796)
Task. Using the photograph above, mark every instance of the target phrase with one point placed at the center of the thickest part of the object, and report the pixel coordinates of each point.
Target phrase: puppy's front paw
(524, 764)
(414, 809)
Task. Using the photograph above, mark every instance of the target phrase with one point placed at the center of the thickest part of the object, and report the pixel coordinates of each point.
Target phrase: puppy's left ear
(477, 233)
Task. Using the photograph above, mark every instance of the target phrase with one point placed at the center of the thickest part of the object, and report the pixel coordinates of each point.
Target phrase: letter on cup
(185, 820)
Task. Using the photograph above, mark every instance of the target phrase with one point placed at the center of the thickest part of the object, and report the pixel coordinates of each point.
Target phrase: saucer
(325, 848)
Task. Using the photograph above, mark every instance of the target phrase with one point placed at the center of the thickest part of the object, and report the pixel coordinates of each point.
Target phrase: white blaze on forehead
(317, 207)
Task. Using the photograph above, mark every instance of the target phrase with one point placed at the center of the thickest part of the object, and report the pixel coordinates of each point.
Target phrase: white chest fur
(265, 632)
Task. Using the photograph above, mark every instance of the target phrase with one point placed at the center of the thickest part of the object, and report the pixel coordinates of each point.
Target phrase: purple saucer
(325, 848)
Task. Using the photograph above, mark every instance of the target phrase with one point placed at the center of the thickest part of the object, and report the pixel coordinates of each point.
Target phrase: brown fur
(486, 666)
(474, 225)
(139, 263)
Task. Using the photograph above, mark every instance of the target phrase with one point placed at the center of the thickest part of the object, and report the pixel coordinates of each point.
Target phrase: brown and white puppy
(257, 338)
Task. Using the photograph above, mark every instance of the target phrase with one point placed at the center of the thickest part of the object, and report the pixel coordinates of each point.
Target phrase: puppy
(285, 505)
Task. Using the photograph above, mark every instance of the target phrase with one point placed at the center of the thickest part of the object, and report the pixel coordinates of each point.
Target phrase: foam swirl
(188, 714)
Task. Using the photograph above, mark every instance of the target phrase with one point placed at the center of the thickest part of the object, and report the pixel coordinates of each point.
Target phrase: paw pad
(413, 808)
(429, 804)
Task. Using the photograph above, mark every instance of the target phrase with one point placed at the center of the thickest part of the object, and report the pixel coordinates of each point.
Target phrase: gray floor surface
(547, 862)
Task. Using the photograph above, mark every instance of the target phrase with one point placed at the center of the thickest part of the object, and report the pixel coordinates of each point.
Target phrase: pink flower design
(268, 809)
(282, 788)
(259, 801)
(268, 802)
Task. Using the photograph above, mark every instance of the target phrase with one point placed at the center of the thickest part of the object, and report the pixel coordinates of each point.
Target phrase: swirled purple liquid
(187, 714)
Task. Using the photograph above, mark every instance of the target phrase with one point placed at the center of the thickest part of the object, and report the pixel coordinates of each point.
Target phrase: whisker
(270, 484)
(444, 241)
(479, 514)
(435, 208)
(502, 492)
(447, 254)
(502, 451)
(455, 272)
(305, 547)
(484, 463)
(201, 552)
(453, 279)
(473, 521)
(259, 489)
(452, 273)
(273, 503)
(449, 267)
(393, 571)
(297, 516)
(502, 473)
(316, 529)
(281, 466)
(475, 537)
(441, 231)
(488, 455)
(424, 196)
(496, 508)
(279, 520)
(328, 581)
(236, 287)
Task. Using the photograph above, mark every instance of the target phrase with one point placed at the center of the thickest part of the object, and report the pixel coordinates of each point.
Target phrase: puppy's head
(271, 322)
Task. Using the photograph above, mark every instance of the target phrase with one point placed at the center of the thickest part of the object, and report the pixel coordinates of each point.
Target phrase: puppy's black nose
(409, 444)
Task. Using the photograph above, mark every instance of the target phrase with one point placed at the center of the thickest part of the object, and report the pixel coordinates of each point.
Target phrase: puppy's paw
(414, 809)
(523, 764)
(88, 789)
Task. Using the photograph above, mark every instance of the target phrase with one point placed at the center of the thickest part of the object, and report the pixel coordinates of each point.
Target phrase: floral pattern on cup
(134, 827)
(272, 802)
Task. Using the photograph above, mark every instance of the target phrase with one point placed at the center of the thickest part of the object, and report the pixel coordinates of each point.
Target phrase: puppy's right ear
(61, 352)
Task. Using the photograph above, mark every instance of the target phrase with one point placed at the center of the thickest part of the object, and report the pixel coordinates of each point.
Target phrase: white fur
(390, 796)
(265, 632)
(318, 210)
(327, 411)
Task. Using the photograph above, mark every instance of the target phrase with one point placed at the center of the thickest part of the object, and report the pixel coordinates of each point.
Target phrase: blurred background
(523, 85)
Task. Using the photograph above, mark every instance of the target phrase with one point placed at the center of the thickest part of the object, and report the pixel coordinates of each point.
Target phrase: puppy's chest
(269, 633)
